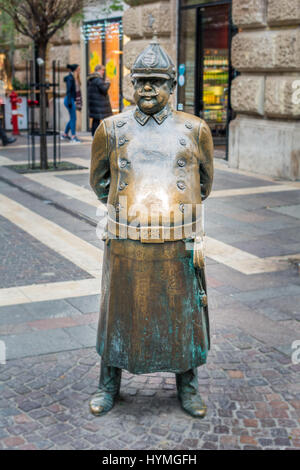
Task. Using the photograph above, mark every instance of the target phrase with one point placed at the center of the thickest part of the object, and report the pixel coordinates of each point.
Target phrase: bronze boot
(109, 387)
(188, 394)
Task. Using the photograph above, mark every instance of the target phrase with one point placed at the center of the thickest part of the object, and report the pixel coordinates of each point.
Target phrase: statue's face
(151, 94)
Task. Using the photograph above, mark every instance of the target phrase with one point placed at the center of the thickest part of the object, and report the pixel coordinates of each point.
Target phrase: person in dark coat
(98, 99)
(70, 104)
(5, 140)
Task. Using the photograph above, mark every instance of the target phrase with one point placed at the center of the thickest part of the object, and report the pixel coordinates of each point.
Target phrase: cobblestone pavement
(250, 389)
(39, 265)
(49, 298)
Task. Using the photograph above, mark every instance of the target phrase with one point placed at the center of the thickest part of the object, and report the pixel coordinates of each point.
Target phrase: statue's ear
(173, 85)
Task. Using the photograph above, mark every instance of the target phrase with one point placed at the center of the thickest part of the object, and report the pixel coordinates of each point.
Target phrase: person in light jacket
(70, 104)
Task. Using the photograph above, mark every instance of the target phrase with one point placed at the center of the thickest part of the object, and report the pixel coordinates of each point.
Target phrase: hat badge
(150, 59)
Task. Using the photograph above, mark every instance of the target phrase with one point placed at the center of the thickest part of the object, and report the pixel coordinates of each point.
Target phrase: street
(49, 301)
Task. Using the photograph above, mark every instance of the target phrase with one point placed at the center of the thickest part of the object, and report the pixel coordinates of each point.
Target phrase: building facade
(204, 67)
(98, 38)
(265, 136)
(103, 43)
(238, 67)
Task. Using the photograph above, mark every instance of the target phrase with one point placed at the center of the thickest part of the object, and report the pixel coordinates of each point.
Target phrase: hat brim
(150, 75)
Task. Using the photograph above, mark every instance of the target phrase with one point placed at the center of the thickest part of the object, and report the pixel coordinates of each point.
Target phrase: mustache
(147, 95)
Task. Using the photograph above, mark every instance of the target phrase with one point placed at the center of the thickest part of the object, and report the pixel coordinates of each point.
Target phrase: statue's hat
(153, 61)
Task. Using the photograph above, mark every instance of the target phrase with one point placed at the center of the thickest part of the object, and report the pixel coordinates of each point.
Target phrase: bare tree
(39, 20)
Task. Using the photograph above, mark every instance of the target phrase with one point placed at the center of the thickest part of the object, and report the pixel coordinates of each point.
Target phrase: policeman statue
(152, 167)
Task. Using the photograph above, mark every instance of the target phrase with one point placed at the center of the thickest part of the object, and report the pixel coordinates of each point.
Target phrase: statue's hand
(198, 253)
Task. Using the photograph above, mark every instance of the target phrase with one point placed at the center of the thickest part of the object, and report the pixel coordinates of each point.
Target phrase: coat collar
(159, 117)
(94, 75)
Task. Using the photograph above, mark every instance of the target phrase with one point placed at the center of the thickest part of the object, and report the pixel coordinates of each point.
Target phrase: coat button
(122, 140)
(120, 123)
(123, 163)
(188, 125)
(181, 162)
(181, 207)
(122, 185)
(182, 142)
(181, 185)
(118, 207)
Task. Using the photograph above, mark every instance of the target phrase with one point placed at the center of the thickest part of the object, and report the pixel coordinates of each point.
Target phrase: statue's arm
(100, 167)
(206, 148)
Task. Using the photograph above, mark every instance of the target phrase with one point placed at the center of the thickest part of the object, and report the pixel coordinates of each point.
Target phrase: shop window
(104, 45)
(204, 70)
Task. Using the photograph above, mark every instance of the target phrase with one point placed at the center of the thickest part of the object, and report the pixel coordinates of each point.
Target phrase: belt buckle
(152, 235)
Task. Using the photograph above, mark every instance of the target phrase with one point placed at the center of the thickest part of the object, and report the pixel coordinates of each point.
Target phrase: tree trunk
(43, 105)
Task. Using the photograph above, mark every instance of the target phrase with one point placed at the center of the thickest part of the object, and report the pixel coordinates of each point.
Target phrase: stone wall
(64, 47)
(266, 96)
(136, 27)
(97, 10)
(23, 52)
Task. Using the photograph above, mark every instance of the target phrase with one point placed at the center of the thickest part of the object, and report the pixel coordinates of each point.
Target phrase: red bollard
(14, 100)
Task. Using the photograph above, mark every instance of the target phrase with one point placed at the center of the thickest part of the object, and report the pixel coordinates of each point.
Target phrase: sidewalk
(49, 300)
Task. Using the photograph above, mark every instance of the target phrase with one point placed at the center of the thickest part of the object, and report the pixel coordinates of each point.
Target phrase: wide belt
(159, 234)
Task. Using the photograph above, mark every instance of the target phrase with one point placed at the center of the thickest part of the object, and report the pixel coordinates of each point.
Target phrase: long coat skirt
(151, 318)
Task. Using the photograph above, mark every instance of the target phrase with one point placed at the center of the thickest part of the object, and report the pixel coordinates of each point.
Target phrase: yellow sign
(94, 60)
(111, 69)
(126, 103)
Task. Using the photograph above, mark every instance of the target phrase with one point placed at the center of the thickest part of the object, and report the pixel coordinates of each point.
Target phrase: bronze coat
(164, 162)
(152, 317)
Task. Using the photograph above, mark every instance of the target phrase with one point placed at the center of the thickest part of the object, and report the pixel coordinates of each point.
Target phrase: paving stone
(41, 264)
(83, 336)
(279, 432)
(267, 423)
(291, 210)
(12, 315)
(43, 342)
(209, 446)
(80, 444)
(245, 414)
(13, 441)
(221, 430)
(3, 433)
(282, 442)
(86, 304)
(257, 382)
(29, 405)
(190, 443)
(10, 411)
(269, 293)
(223, 180)
(251, 423)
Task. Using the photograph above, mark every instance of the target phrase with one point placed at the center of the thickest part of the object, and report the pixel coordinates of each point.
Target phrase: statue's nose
(147, 87)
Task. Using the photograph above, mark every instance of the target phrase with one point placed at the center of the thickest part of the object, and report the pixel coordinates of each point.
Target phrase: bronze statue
(152, 167)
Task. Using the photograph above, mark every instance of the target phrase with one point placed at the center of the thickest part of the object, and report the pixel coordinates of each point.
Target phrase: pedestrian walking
(70, 104)
(5, 140)
(78, 100)
(98, 99)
